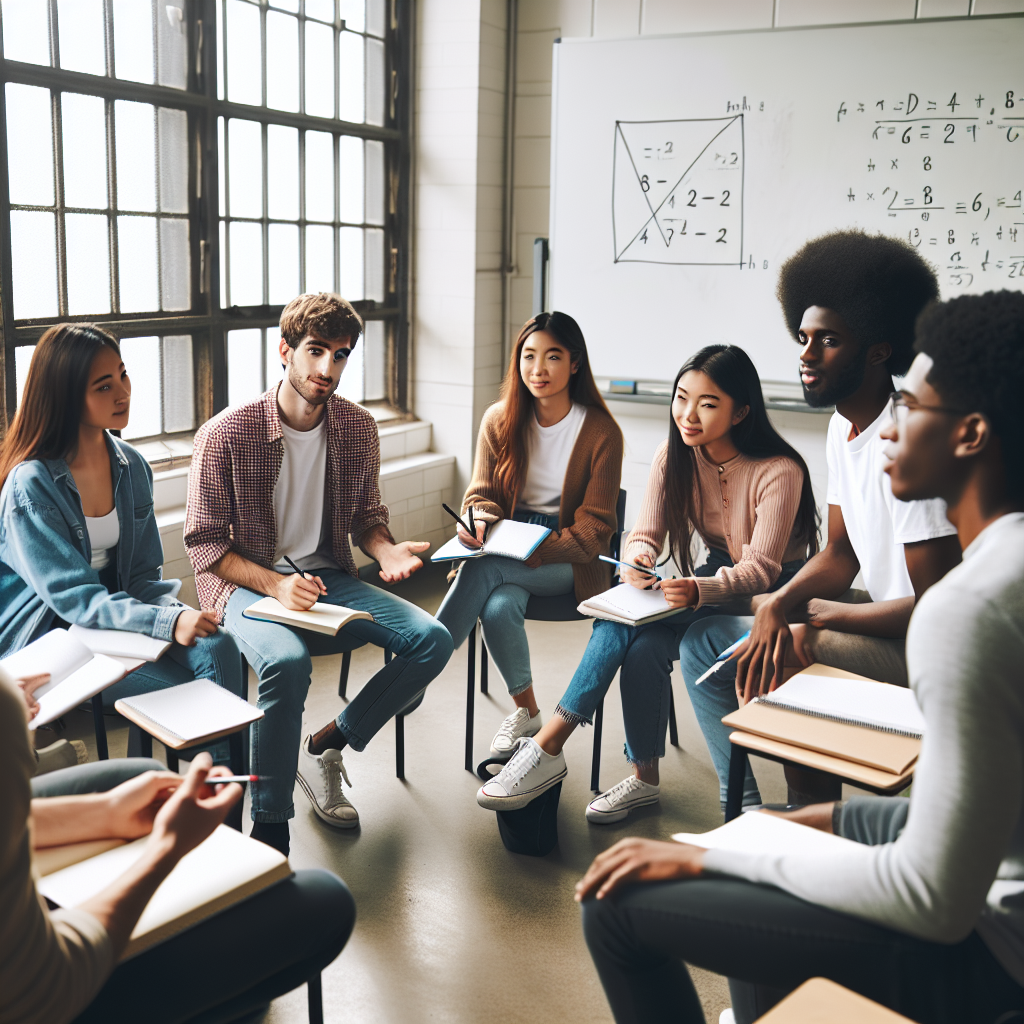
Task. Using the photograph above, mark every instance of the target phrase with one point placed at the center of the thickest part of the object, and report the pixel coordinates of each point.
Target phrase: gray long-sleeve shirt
(959, 863)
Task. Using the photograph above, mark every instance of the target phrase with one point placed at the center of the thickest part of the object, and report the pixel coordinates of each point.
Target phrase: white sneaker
(615, 803)
(320, 777)
(517, 725)
(727, 1017)
(530, 772)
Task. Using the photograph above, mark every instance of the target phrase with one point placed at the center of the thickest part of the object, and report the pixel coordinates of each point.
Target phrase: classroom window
(178, 172)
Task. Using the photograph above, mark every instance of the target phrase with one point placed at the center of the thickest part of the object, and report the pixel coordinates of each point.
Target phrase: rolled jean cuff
(357, 743)
(572, 717)
(273, 817)
(515, 691)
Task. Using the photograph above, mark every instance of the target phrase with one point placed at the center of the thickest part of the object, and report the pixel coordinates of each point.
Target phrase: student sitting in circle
(725, 474)
(549, 453)
(79, 542)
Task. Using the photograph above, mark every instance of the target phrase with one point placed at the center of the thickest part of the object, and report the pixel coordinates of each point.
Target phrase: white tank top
(104, 533)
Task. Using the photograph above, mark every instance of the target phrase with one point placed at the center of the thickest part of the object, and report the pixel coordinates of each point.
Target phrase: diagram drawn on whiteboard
(677, 191)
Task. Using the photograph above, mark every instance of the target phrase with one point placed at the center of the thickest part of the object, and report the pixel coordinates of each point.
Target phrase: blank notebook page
(632, 602)
(193, 710)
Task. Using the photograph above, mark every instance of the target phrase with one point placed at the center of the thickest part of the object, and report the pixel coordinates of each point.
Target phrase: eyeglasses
(900, 405)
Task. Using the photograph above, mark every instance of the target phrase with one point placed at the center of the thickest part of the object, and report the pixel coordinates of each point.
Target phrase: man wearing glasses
(850, 300)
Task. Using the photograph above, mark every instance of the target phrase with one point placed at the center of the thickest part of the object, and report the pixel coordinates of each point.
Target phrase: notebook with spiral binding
(841, 714)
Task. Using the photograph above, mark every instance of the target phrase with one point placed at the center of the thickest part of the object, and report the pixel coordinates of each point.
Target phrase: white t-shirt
(548, 451)
(299, 498)
(877, 523)
(104, 534)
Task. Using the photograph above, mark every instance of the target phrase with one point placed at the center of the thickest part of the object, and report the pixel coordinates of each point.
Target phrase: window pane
(142, 361)
(350, 194)
(351, 263)
(374, 182)
(375, 15)
(22, 359)
(319, 70)
(322, 9)
(350, 77)
(81, 36)
(374, 272)
(319, 259)
(244, 383)
(172, 45)
(88, 263)
(135, 145)
(178, 384)
(245, 168)
(275, 369)
(374, 82)
(246, 270)
(29, 145)
(351, 12)
(351, 384)
(283, 172)
(220, 51)
(172, 157)
(26, 36)
(175, 265)
(319, 176)
(245, 83)
(282, 61)
(224, 264)
(33, 249)
(374, 360)
(136, 260)
(283, 262)
(85, 151)
(221, 164)
(133, 40)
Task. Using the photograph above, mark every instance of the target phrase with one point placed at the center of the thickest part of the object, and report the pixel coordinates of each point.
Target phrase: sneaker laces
(334, 772)
(524, 760)
(510, 725)
(622, 790)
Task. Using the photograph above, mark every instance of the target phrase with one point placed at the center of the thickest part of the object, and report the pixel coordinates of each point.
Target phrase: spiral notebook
(508, 538)
(629, 605)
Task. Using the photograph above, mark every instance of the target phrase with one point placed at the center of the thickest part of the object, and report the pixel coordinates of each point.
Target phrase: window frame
(206, 322)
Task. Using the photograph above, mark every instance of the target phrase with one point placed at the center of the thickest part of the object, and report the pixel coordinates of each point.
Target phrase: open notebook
(508, 538)
(189, 713)
(755, 832)
(627, 604)
(222, 871)
(321, 618)
(120, 643)
(76, 674)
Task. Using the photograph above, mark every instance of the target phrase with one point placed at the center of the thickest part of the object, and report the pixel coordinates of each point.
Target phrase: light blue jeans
(496, 590)
(280, 657)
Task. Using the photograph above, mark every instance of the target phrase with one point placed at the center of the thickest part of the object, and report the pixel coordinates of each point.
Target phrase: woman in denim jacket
(78, 538)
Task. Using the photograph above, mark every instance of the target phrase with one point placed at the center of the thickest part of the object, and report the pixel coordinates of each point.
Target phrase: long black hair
(731, 369)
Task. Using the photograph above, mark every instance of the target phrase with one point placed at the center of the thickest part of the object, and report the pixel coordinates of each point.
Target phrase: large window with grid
(178, 172)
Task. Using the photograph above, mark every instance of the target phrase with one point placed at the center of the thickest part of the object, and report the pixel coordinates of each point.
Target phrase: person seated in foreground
(924, 911)
(291, 475)
(62, 966)
(850, 300)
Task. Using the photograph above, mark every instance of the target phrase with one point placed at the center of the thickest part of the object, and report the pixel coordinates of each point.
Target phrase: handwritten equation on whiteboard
(944, 173)
(677, 191)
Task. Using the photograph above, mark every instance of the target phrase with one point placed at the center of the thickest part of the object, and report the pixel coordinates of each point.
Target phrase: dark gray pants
(233, 963)
(767, 943)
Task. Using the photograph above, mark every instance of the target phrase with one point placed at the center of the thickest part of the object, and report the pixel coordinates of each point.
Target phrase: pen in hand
(302, 573)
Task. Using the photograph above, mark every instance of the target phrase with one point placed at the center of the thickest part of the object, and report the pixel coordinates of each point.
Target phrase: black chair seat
(560, 608)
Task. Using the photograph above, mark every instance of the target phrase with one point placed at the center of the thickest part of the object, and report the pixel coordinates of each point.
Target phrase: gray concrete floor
(451, 927)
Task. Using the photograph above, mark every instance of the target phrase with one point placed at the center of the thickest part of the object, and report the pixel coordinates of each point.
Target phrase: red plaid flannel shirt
(236, 460)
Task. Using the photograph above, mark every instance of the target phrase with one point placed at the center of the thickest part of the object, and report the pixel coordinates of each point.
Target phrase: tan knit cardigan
(586, 514)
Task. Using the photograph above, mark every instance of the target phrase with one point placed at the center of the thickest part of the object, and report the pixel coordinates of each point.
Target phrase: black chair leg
(470, 695)
(172, 759)
(673, 729)
(140, 744)
(734, 790)
(346, 664)
(595, 765)
(100, 726)
(483, 665)
(314, 991)
(400, 746)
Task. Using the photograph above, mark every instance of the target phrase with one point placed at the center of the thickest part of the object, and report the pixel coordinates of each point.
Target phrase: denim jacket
(45, 554)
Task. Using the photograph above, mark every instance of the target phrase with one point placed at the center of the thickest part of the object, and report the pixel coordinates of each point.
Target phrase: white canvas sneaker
(517, 725)
(530, 772)
(615, 803)
(320, 777)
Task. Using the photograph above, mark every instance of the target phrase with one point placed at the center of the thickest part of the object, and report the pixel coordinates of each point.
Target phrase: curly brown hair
(324, 314)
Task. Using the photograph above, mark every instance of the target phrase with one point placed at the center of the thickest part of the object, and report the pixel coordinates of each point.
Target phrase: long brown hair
(47, 421)
(517, 402)
(731, 369)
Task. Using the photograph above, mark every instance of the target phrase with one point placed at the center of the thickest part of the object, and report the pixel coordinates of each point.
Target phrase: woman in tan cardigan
(549, 453)
(725, 474)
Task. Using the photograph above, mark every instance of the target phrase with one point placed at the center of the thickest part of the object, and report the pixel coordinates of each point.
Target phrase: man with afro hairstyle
(850, 300)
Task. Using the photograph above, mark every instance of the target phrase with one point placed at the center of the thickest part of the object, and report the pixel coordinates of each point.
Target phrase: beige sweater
(747, 507)
(51, 964)
(586, 516)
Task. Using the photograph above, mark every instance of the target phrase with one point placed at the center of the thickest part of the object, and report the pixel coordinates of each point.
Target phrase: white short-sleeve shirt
(549, 449)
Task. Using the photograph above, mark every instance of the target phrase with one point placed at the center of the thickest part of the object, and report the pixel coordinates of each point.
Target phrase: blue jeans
(280, 656)
(496, 590)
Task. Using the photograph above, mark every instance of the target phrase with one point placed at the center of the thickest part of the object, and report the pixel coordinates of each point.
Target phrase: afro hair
(877, 284)
(976, 343)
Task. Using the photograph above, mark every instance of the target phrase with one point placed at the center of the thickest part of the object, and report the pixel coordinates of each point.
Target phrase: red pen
(218, 780)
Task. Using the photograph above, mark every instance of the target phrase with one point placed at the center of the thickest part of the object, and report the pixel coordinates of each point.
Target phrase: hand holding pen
(299, 591)
(470, 534)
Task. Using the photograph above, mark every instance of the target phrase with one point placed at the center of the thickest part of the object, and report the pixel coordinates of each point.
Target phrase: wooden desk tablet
(820, 1001)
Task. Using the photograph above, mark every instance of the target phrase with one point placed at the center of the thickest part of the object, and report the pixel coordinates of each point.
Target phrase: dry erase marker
(221, 780)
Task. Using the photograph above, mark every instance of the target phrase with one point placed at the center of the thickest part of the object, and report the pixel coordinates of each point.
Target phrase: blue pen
(724, 657)
(630, 565)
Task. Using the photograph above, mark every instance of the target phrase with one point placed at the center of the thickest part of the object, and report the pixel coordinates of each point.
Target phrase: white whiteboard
(685, 169)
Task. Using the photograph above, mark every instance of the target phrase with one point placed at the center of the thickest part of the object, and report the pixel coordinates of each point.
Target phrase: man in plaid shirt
(290, 476)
